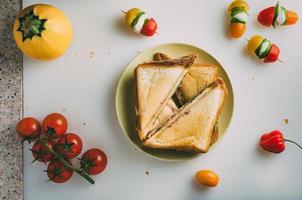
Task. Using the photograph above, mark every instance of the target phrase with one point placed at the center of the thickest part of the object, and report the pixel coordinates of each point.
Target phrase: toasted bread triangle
(197, 78)
(156, 82)
(192, 127)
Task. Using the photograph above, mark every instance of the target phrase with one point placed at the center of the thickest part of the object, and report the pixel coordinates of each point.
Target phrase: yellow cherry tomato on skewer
(254, 43)
(139, 22)
(239, 4)
(130, 15)
(238, 17)
(263, 49)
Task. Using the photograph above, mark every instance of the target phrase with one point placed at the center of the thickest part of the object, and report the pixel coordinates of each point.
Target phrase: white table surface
(83, 89)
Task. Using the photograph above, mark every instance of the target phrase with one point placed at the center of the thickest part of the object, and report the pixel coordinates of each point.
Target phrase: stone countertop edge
(11, 110)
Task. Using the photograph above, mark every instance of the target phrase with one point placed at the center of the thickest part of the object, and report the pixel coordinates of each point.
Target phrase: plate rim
(118, 113)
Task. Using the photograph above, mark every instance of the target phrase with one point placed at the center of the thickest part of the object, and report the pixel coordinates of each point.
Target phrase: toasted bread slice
(156, 82)
(198, 77)
(192, 127)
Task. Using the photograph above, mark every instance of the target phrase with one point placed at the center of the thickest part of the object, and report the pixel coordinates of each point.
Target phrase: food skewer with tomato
(139, 22)
(238, 10)
(263, 49)
(277, 16)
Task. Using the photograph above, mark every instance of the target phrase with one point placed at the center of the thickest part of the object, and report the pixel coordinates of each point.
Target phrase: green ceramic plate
(125, 97)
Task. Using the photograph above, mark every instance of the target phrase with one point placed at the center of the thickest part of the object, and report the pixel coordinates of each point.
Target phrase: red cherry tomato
(273, 54)
(57, 173)
(94, 161)
(55, 125)
(266, 16)
(149, 28)
(29, 128)
(41, 153)
(70, 145)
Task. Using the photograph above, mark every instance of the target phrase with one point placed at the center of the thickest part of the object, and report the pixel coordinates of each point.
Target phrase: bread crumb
(147, 173)
(286, 121)
(91, 54)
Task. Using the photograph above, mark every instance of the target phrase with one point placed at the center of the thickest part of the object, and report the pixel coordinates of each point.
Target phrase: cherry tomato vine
(54, 146)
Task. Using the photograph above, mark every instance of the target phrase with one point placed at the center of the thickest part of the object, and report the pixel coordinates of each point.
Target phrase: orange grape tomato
(207, 178)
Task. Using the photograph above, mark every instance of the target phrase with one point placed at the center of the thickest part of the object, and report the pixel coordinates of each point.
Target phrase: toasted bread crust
(187, 145)
(160, 56)
(185, 62)
(218, 82)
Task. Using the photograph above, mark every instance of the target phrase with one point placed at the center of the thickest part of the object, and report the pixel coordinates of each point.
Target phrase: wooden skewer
(280, 60)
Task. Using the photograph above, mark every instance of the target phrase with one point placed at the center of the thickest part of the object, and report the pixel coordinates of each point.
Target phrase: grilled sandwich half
(156, 82)
(191, 129)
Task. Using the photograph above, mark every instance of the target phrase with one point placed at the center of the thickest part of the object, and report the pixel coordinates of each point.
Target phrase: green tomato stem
(80, 172)
(68, 165)
(31, 25)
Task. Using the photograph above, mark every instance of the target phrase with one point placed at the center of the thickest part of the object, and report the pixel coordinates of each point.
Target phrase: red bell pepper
(274, 142)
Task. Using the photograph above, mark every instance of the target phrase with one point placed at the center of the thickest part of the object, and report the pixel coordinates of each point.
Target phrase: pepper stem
(293, 142)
